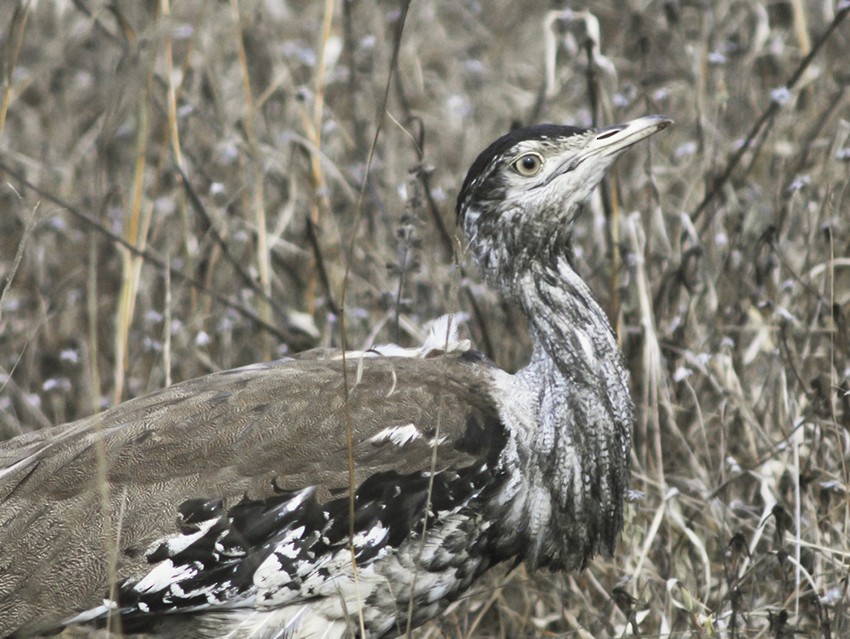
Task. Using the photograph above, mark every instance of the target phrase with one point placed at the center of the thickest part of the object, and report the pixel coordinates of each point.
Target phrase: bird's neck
(584, 415)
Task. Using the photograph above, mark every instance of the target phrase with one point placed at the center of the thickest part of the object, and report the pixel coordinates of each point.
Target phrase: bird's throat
(584, 413)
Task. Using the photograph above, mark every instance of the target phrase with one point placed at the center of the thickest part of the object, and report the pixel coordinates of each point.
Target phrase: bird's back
(230, 493)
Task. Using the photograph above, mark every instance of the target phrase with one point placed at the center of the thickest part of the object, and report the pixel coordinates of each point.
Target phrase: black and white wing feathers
(231, 493)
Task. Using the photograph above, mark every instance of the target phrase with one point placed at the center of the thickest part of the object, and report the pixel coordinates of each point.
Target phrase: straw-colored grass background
(721, 248)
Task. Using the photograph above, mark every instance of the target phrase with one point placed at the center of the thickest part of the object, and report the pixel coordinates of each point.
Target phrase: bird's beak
(612, 140)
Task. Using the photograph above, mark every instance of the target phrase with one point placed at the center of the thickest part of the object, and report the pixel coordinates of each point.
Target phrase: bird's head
(521, 196)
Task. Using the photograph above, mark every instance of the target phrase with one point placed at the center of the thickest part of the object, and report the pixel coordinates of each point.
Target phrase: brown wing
(106, 487)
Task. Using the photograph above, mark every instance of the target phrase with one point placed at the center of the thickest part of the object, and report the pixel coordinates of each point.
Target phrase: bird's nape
(224, 506)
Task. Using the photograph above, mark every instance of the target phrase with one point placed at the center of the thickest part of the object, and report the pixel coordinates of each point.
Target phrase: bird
(347, 494)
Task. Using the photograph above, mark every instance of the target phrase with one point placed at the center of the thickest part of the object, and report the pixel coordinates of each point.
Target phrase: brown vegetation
(198, 185)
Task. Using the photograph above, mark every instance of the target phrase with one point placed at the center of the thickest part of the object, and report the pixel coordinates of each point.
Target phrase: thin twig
(19, 254)
(313, 239)
(349, 256)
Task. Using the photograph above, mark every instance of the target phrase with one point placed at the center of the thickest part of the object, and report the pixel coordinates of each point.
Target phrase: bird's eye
(528, 164)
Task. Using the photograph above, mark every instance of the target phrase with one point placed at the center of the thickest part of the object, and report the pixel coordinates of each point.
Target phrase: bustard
(221, 506)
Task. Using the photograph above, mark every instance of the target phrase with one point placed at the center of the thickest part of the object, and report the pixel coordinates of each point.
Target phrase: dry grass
(722, 248)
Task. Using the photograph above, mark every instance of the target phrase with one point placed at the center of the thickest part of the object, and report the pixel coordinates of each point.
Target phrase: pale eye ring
(528, 164)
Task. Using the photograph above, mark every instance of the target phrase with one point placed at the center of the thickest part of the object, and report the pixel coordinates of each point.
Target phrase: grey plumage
(221, 506)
